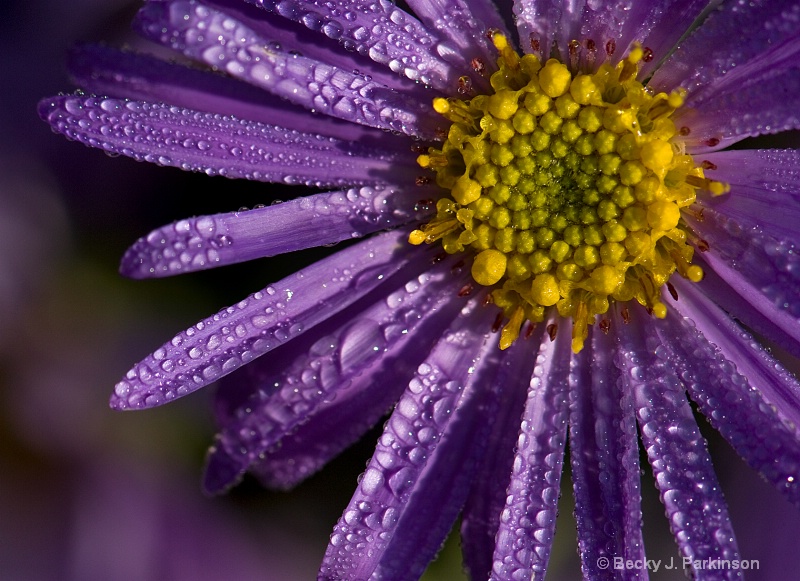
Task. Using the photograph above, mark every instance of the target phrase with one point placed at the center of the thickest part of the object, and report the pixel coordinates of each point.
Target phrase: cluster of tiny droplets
(568, 188)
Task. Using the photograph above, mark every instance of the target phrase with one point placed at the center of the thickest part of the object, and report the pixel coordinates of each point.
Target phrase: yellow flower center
(569, 189)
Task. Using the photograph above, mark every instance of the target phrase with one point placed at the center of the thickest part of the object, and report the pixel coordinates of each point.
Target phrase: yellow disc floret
(568, 188)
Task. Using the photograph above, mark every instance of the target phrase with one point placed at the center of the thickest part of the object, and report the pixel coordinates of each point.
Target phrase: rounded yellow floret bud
(657, 155)
(489, 267)
(465, 191)
(606, 280)
(544, 289)
(663, 215)
(554, 78)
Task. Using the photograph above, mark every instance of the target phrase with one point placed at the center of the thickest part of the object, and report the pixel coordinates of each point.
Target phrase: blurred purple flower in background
(594, 340)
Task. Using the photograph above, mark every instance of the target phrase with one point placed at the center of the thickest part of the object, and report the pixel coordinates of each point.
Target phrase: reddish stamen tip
(498, 322)
(465, 290)
(672, 291)
(552, 331)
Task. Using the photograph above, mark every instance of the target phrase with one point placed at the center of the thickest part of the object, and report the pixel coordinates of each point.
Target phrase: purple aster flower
(558, 247)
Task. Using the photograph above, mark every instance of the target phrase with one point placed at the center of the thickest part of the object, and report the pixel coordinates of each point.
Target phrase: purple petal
(604, 452)
(763, 106)
(111, 72)
(236, 335)
(666, 22)
(698, 515)
(730, 38)
(462, 26)
(763, 270)
(527, 523)
(358, 346)
(384, 530)
(742, 391)
(220, 41)
(211, 241)
(320, 45)
(339, 423)
(544, 23)
(385, 33)
(481, 517)
(750, 306)
(765, 189)
(217, 145)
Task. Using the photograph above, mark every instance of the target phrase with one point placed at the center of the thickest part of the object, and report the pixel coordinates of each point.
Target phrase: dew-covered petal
(220, 41)
(111, 72)
(481, 516)
(217, 145)
(320, 45)
(732, 36)
(223, 342)
(766, 104)
(604, 455)
(618, 23)
(340, 422)
(763, 270)
(464, 26)
(542, 23)
(765, 188)
(398, 516)
(211, 241)
(360, 343)
(527, 522)
(381, 31)
(744, 393)
(677, 452)
(749, 305)
(664, 24)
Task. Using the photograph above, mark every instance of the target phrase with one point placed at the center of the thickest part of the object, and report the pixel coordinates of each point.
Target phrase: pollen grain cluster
(567, 187)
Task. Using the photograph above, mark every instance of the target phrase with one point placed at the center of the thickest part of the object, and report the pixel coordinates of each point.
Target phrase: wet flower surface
(558, 248)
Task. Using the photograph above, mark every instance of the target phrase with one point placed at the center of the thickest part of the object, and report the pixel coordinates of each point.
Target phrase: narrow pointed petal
(677, 452)
(266, 319)
(604, 453)
(290, 397)
(666, 22)
(763, 270)
(744, 393)
(543, 23)
(321, 45)
(481, 516)
(749, 305)
(462, 26)
(766, 105)
(339, 423)
(216, 145)
(719, 46)
(384, 32)
(222, 239)
(765, 189)
(114, 73)
(195, 30)
(527, 523)
(377, 536)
